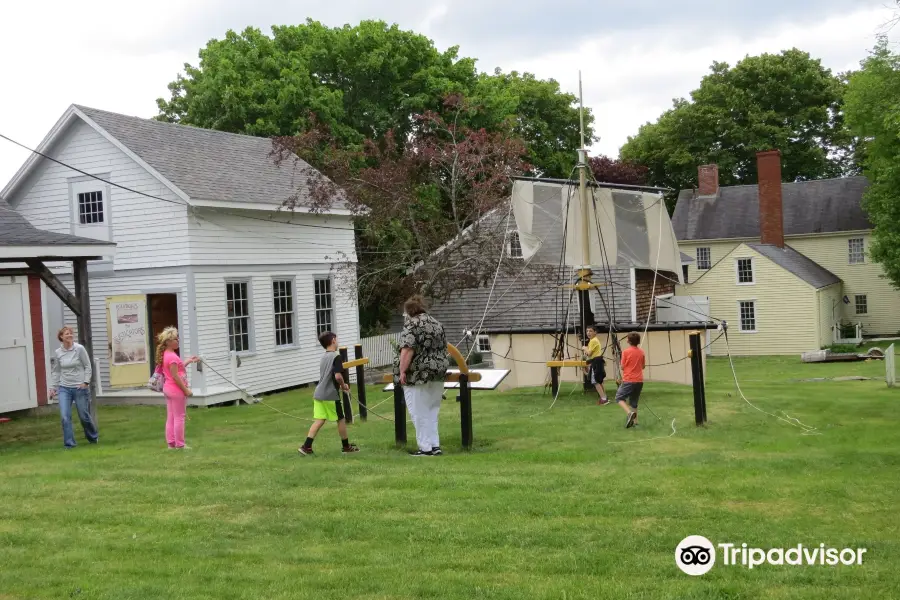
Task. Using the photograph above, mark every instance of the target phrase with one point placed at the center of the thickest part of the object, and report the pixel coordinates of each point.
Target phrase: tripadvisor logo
(696, 555)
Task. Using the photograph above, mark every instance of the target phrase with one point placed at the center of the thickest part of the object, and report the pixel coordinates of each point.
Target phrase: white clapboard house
(200, 243)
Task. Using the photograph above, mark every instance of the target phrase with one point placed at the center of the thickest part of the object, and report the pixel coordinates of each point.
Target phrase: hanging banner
(128, 322)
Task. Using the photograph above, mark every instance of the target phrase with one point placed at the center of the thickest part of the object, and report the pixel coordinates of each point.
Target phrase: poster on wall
(129, 332)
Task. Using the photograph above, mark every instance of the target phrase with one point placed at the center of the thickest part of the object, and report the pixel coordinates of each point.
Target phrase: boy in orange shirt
(633, 362)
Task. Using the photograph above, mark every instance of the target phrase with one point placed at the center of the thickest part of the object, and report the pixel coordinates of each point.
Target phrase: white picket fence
(379, 350)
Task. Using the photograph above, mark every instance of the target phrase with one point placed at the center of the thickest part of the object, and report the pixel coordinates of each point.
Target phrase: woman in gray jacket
(70, 381)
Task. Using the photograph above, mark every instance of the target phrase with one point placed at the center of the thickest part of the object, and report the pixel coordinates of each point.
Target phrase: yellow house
(783, 264)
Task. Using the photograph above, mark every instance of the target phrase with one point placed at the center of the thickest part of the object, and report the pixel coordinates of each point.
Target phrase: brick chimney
(771, 217)
(708, 180)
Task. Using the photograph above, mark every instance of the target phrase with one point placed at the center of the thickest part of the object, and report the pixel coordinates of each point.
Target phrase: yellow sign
(129, 347)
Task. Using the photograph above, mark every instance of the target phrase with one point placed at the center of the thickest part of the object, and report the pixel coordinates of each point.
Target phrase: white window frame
(251, 341)
(486, 340)
(292, 282)
(700, 263)
(101, 230)
(509, 245)
(755, 316)
(316, 309)
(860, 258)
(856, 298)
(737, 270)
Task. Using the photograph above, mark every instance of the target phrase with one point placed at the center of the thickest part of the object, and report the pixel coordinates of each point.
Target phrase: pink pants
(175, 406)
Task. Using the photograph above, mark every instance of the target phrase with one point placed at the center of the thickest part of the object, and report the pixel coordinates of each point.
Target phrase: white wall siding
(266, 367)
(233, 237)
(102, 288)
(147, 232)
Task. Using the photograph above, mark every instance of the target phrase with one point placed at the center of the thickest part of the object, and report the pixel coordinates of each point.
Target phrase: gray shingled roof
(801, 266)
(821, 206)
(15, 230)
(207, 164)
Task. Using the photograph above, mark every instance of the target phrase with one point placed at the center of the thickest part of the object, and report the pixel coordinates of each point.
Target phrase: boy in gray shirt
(327, 396)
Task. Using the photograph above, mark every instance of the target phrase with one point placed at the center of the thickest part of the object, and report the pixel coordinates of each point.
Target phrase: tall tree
(411, 196)
(538, 112)
(873, 114)
(362, 81)
(611, 170)
(786, 101)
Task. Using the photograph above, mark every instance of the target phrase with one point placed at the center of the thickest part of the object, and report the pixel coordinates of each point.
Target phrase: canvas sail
(626, 228)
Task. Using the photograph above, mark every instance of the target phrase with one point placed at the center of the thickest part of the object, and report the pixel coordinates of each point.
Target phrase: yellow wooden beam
(356, 363)
(458, 357)
(584, 286)
(566, 363)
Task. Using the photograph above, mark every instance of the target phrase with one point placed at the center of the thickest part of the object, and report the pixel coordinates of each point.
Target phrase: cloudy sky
(635, 55)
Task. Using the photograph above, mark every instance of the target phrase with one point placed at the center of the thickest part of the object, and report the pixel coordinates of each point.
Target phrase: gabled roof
(200, 165)
(798, 264)
(20, 239)
(820, 206)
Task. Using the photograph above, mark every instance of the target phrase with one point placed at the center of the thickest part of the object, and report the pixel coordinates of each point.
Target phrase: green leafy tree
(536, 111)
(361, 82)
(786, 101)
(873, 114)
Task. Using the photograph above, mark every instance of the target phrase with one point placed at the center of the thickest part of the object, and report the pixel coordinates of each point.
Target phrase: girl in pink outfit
(175, 388)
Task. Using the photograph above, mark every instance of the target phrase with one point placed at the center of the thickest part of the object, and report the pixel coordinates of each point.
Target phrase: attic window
(90, 208)
(703, 259)
(857, 251)
(515, 246)
(745, 271)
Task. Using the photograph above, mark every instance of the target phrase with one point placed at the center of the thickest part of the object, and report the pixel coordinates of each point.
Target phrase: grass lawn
(544, 507)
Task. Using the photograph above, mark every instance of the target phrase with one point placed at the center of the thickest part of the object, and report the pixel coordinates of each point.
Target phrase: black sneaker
(305, 451)
(629, 421)
(350, 449)
(422, 453)
(436, 451)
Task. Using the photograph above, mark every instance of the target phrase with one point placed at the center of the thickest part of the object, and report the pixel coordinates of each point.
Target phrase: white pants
(424, 403)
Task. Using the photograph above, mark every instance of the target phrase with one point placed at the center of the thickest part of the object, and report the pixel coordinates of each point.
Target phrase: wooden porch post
(85, 335)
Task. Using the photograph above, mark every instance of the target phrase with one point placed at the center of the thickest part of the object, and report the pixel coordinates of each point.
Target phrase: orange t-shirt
(633, 365)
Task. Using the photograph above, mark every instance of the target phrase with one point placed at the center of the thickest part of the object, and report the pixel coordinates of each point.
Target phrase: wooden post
(85, 335)
(697, 377)
(465, 410)
(348, 408)
(361, 384)
(554, 381)
(702, 377)
(890, 369)
(399, 415)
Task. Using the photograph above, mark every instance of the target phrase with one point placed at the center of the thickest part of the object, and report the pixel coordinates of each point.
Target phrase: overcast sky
(635, 55)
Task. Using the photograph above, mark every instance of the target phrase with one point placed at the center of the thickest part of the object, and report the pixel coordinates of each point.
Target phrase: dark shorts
(596, 371)
(630, 392)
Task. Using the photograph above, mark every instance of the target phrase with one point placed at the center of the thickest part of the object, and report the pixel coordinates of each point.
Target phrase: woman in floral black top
(420, 369)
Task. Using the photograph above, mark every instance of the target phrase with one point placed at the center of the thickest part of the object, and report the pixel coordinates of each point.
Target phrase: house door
(16, 351)
(129, 344)
(163, 312)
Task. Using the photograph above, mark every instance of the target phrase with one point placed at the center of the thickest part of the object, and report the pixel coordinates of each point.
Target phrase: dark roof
(801, 266)
(15, 230)
(686, 258)
(821, 206)
(207, 164)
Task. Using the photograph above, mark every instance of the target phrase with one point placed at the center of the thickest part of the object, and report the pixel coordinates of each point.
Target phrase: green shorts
(329, 410)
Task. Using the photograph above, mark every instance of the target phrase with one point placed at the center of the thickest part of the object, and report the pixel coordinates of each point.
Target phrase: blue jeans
(82, 400)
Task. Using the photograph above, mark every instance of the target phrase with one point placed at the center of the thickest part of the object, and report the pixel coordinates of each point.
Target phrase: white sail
(626, 228)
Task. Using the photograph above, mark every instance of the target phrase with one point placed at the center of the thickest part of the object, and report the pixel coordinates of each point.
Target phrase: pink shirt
(169, 359)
